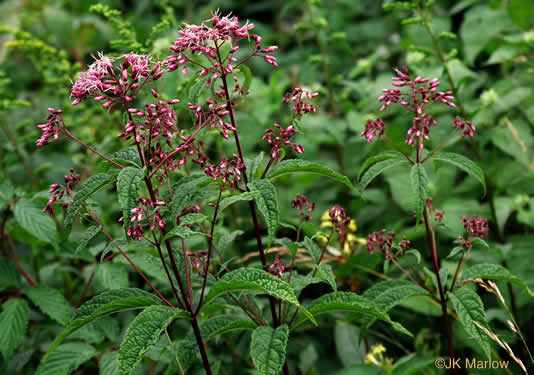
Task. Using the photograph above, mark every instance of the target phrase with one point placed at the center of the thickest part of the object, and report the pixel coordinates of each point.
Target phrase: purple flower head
(147, 214)
(373, 129)
(60, 191)
(438, 215)
(278, 141)
(198, 261)
(477, 226)
(52, 128)
(467, 127)
(301, 102)
(278, 267)
(377, 241)
(230, 171)
(301, 204)
(339, 218)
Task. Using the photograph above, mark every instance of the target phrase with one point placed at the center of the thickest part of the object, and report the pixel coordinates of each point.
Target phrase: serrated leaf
(380, 157)
(104, 304)
(52, 303)
(108, 364)
(182, 232)
(66, 359)
(246, 196)
(143, 333)
(267, 202)
(91, 186)
(415, 253)
(128, 191)
(222, 324)
(183, 192)
(129, 155)
(455, 251)
(304, 166)
(253, 165)
(9, 275)
(192, 219)
(299, 282)
(420, 187)
(248, 77)
(494, 272)
(314, 249)
(324, 272)
(29, 214)
(388, 294)
(268, 349)
(254, 280)
(470, 309)
(112, 275)
(463, 163)
(87, 236)
(377, 169)
(476, 241)
(349, 302)
(227, 239)
(13, 322)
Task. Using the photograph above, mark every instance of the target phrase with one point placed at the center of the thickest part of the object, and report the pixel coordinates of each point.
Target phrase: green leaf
(455, 251)
(182, 232)
(91, 186)
(246, 196)
(267, 201)
(254, 280)
(388, 294)
(304, 166)
(253, 165)
(143, 333)
(29, 214)
(521, 12)
(13, 322)
(470, 309)
(66, 359)
(109, 364)
(183, 192)
(248, 78)
(415, 253)
(412, 364)
(463, 163)
(51, 302)
(104, 304)
(314, 249)
(227, 239)
(9, 275)
(420, 187)
(129, 155)
(268, 349)
(192, 219)
(222, 324)
(324, 272)
(494, 272)
(380, 157)
(376, 169)
(349, 302)
(112, 275)
(128, 191)
(87, 236)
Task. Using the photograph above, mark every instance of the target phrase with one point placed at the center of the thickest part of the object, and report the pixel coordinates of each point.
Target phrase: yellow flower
(379, 349)
(371, 360)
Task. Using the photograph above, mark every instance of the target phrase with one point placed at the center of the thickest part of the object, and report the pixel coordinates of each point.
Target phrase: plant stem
(201, 346)
(15, 257)
(68, 134)
(459, 269)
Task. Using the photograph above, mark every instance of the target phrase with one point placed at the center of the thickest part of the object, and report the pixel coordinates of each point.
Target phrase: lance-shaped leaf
(184, 190)
(470, 309)
(377, 169)
(51, 302)
(267, 201)
(13, 322)
(87, 189)
(246, 196)
(104, 304)
(463, 163)
(128, 155)
(222, 324)
(29, 214)
(494, 272)
(128, 191)
(380, 157)
(420, 187)
(304, 166)
(325, 273)
(182, 232)
(349, 302)
(89, 234)
(67, 358)
(314, 249)
(268, 349)
(255, 280)
(143, 333)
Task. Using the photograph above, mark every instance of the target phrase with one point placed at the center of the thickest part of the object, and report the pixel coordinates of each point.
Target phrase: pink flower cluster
(339, 218)
(148, 209)
(277, 141)
(212, 116)
(467, 127)
(60, 191)
(300, 99)
(230, 171)
(305, 207)
(373, 128)
(278, 267)
(385, 244)
(52, 128)
(477, 226)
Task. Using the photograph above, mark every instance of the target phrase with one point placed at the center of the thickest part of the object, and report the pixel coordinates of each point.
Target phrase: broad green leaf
(314, 249)
(52, 303)
(420, 187)
(227, 239)
(183, 191)
(470, 309)
(182, 232)
(299, 282)
(222, 324)
(106, 303)
(412, 364)
(89, 234)
(494, 272)
(67, 358)
(304, 166)
(463, 163)
(380, 157)
(257, 280)
(112, 275)
(143, 333)
(248, 79)
(246, 196)
(455, 251)
(193, 219)
(13, 322)
(376, 169)
(268, 349)
(267, 202)
(128, 191)
(253, 165)
(129, 155)
(388, 294)
(349, 302)
(324, 272)
(415, 253)
(91, 186)
(29, 214)
(109, 364)
(9, 275)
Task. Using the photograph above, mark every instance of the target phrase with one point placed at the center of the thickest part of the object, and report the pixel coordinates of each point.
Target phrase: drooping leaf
(267, 202)
(494, 272)
(219, 325)
(420, 187)
(128, 191)
(13, 322)
(91, 186)
(183, 192)
(89, 234)
(314, 249)
(304, 166)
(106, 303)
(246, 196)
(324, 272)
(268, 349)
(227, 239)
(248, 77)
(253, 165)
(29, 214)
(380, 157)
(463, 163)
(182, 232)
(143, 333)
(128, 155)
(51, 302)
(470, 309)
(377, 169)
(66, 358)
